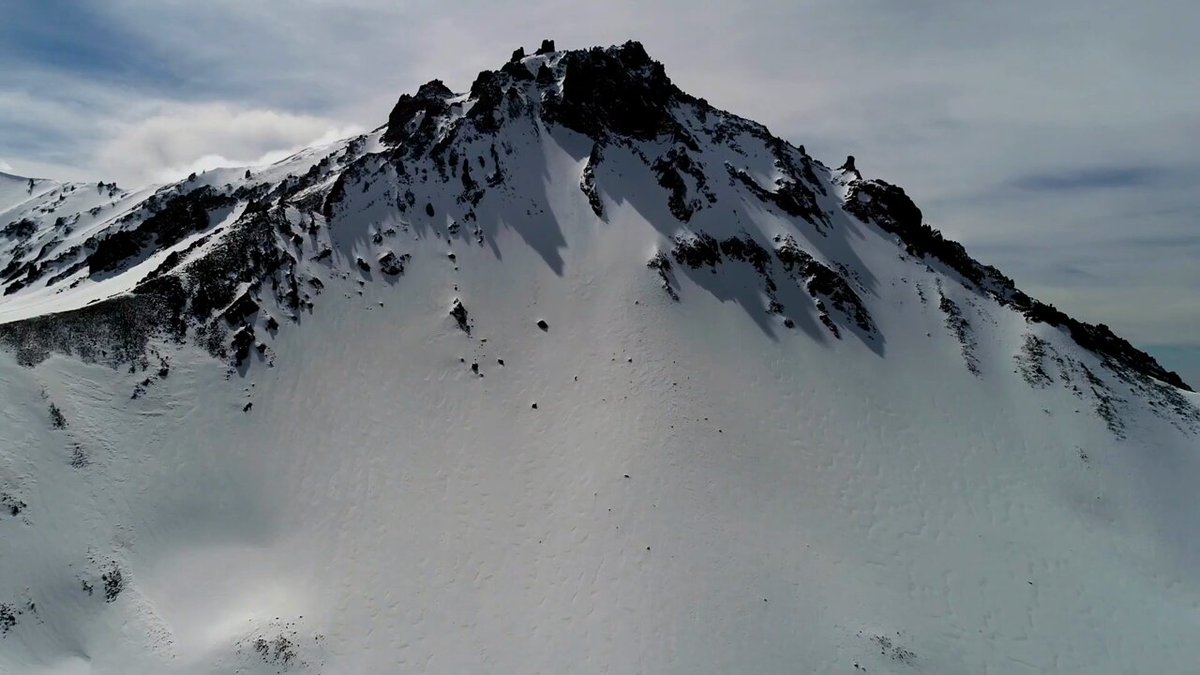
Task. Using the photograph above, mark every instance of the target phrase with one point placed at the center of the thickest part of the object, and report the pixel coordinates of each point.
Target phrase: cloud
(1094, 178)
(182, 138)
(6, 167)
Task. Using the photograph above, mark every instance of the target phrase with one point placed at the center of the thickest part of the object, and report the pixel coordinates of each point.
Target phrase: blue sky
(1059, 141)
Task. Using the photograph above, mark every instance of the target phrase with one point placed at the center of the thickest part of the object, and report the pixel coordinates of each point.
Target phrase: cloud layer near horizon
(1059, 141)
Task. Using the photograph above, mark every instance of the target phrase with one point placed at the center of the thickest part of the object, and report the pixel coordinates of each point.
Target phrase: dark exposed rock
(662, 264)
(8, 614)
(336, 194)
(243, 340)
(697, 251)
(517, 71)
(541, 323)
(517, 55)
(242, 307)
(618, 90)
(414, 118)
(11, 504)
(472, 192)
(890, 208)
(1031, 361)
(362, 264)
(57, 419)
(115, 331)
(179, 217)
(825, 286)
(670, 169)
(114, 582)
(20, 229)
(393, 264)
(791, 195)
(459, 313)
(961, 328)
(749, 251)
(488, 94)
(429, 209)
(546, 48)
(848, 167)
(587, 182)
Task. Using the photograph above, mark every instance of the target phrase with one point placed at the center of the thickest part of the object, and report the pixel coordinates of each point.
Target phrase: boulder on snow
(393, 264)
(243, 339)
(459, 312)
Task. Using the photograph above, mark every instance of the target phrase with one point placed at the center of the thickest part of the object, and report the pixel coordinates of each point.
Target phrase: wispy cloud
(1093, 178)
(182, 138)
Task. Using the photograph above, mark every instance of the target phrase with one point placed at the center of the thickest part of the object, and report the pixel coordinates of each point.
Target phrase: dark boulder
(243, 340)
(459, 313)
(392, 264)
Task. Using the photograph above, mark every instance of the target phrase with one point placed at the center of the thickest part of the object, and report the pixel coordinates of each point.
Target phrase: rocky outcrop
(180, 216)
(618, 90)
(891, 209)
(415, 117)
(827, 287)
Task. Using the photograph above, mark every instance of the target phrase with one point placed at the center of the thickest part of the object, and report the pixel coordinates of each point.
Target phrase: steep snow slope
(767, 423)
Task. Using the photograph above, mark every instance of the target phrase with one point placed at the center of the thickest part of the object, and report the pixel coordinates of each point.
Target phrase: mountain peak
(617, 90)
(574, 345)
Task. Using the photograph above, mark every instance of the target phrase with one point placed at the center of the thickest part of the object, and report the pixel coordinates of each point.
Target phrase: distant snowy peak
(101, 272)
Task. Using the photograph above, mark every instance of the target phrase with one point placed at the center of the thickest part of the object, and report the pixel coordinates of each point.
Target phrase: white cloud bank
(182, 138)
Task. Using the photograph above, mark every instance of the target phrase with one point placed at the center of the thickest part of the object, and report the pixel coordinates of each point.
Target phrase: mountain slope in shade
(568, 373)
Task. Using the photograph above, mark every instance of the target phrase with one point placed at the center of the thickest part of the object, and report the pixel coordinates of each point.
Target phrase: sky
(1058, 141)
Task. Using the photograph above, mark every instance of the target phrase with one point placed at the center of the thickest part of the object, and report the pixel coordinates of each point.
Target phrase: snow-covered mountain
(572, 372)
